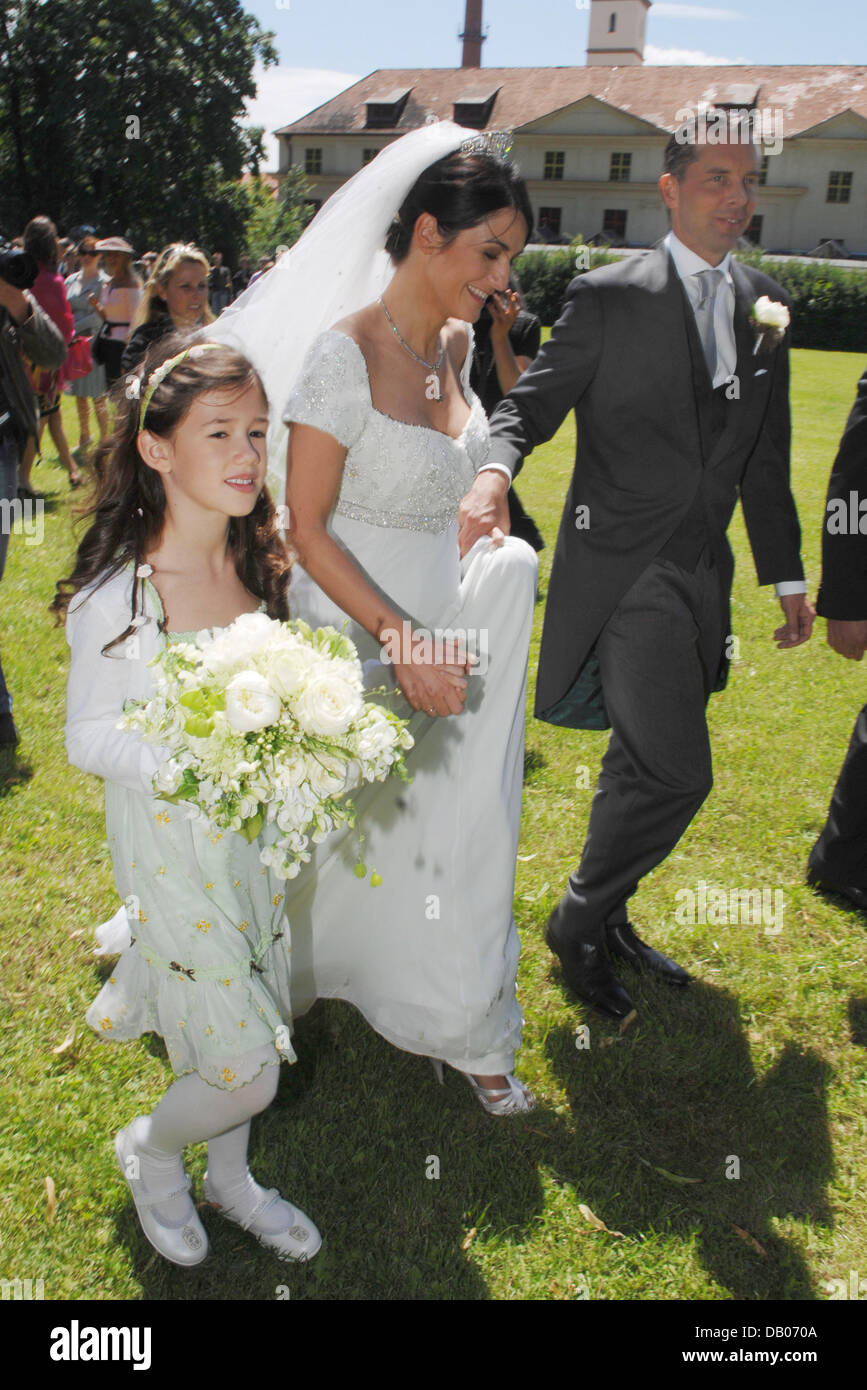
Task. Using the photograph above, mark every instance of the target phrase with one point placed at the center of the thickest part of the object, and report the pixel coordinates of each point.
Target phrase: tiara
(157, 378)
(497, 142)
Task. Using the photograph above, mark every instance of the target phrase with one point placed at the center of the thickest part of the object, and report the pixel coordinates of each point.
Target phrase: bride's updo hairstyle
(460, 191)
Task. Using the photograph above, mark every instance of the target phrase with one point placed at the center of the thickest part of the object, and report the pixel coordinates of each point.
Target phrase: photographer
(23, 328)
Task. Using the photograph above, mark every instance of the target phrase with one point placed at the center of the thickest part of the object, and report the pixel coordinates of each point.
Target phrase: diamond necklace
(433, 367)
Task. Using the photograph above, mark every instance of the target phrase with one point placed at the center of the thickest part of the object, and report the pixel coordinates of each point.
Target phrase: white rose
(250, 703)
(327, 775)
(328, 704)
(289, 668)
(238, 644)
(770, 314)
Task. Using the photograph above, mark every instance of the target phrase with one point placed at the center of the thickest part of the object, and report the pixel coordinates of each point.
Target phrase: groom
(679, 409)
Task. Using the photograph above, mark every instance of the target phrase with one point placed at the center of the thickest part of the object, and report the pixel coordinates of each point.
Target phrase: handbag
(108, 351)
(79, 361)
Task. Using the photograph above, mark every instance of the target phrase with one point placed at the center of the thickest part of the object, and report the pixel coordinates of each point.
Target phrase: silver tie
(709, 282)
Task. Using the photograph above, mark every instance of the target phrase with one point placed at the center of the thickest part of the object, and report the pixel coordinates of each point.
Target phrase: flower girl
(183, 537)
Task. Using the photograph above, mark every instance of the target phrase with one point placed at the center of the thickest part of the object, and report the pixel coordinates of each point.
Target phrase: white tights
(192, 1111)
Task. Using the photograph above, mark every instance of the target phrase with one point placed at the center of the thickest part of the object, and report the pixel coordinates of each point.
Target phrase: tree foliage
(126, 116)
(277, 221)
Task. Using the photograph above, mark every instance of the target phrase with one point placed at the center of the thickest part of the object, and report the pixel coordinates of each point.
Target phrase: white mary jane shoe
(299, 1241)
(185, 1244)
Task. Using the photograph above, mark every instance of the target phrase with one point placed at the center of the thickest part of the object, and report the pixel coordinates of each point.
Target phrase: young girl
(184, 537)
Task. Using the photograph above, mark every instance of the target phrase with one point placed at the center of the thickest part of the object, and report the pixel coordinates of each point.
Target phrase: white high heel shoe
(495, 1101)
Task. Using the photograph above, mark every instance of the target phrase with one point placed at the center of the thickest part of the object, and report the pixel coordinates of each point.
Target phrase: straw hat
(115, 243)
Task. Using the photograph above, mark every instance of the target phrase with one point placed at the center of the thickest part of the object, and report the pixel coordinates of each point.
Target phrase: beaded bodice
(397, 474)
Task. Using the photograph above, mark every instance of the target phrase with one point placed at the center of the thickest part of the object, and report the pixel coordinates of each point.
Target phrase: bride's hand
(437, 689)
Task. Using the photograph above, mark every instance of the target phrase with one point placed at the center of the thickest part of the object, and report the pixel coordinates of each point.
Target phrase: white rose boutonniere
(770, 320)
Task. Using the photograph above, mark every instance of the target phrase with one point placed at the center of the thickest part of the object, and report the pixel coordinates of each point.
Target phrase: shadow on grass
(678, 1092)
(356, 1127)
(14, 771)
(858, 1021)
(534, 763)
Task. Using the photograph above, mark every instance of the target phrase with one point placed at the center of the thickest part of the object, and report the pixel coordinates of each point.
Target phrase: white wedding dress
(429, 956)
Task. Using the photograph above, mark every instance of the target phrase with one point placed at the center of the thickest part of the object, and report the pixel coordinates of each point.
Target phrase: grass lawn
(720, 1138)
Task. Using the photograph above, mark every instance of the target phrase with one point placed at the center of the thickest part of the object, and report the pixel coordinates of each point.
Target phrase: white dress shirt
(688, 264)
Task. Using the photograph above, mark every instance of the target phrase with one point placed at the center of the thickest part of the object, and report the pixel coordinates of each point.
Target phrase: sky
(325, 45)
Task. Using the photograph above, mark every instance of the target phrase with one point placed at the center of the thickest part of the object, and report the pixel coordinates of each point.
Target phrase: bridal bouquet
(265, 722)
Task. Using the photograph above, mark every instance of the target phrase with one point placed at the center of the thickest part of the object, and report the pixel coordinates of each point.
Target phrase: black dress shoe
(856, 896)
(623, 942)
(587, 971)
(8, 731)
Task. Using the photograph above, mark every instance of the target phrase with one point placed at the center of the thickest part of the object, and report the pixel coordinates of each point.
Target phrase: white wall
(793, 205)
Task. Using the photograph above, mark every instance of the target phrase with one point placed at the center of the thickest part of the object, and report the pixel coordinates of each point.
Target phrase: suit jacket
(626, 356)
(843, 591)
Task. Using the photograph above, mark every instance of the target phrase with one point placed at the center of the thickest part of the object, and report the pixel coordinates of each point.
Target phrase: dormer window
(474, 110)
(385, 109)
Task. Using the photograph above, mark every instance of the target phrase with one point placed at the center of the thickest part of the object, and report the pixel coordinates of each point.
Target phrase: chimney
(472, 36)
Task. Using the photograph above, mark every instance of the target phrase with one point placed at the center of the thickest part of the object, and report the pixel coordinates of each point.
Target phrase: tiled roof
(807, 95)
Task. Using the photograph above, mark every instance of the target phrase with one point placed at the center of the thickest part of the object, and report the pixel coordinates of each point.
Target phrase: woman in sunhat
(117, 303)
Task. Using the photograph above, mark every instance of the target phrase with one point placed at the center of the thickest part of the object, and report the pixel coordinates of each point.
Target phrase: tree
(277, 221)
(127, 116)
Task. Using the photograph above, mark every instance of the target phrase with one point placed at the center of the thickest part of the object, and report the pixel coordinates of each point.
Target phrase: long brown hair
(40, 239)
(127, 515)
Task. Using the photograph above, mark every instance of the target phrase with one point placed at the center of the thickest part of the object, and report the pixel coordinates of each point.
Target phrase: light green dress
(208, 963)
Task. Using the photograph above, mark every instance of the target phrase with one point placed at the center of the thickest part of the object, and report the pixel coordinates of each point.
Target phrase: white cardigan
(99, 685)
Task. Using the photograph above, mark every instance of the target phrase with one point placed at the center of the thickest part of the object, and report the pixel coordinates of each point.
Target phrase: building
(589, 140)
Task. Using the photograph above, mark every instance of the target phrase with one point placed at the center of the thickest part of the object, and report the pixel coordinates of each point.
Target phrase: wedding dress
(430, 955)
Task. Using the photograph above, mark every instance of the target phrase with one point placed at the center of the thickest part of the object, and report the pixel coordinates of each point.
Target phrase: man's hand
(800, 616)
(14, 301)
(484, 511)
(847, 638)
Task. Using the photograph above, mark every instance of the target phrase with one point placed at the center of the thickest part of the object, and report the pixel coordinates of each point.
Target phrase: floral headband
(158, 377)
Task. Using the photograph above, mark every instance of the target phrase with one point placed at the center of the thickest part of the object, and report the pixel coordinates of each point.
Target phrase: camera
(17, 268)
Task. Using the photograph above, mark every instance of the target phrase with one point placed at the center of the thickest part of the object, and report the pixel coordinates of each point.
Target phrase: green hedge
(829, 304)
(546, 275)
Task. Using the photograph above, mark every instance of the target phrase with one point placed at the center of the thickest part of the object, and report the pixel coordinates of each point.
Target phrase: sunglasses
(87, 251)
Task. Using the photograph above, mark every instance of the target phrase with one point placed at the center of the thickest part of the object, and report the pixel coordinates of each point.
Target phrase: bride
(367, 324)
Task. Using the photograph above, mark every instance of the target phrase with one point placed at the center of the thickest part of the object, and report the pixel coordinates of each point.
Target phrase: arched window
(612, 24)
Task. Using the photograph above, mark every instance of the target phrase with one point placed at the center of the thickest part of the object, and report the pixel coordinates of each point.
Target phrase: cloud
(284, 94)
(691, 12)
(688, 57)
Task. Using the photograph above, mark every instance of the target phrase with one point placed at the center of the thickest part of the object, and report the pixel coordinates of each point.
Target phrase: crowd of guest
(88, 316)
(109, 305)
